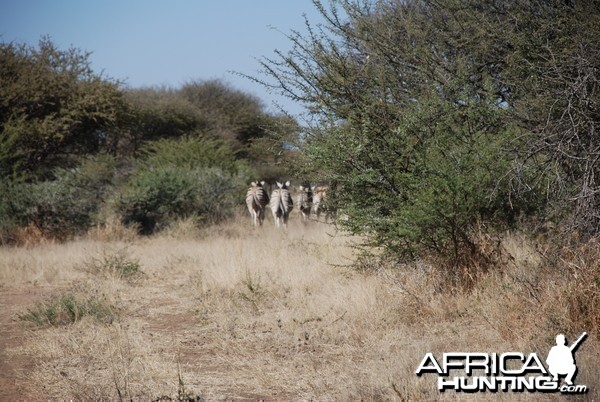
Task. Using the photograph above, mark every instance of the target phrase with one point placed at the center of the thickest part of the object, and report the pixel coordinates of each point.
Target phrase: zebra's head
(283, 186)
(305, 190)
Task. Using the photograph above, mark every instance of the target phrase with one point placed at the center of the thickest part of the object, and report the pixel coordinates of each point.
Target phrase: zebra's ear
(313, 188)
(262, 183)
(287, 183)
(301, 188)
(253, 184)
(279, 185)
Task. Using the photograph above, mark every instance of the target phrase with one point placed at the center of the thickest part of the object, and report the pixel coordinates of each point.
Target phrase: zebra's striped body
(281, 204)
(257, 199)
(302, 201)
(319, 197)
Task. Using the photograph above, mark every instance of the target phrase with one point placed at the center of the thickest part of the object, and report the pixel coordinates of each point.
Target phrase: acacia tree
(423, 117)
(235, 115)
(159, 113)
(555, 94)
(53, 107)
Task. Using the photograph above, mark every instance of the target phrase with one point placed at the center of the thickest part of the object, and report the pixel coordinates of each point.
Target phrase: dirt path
(15, 368)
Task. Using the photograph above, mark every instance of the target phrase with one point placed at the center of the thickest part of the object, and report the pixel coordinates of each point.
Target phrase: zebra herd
(306, 200)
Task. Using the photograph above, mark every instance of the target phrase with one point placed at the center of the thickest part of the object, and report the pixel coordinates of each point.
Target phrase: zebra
(319, 199)
(281, 203)
(302, 201)
(256, 200)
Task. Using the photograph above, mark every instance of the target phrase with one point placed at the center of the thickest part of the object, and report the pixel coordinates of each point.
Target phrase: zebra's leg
(305, 213)
(261, 216)
(285, 220)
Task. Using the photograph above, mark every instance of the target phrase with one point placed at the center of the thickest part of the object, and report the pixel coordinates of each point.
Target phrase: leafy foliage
(158, 195)
(181, 178)
(14, 201)
(53, 108)
(189, 152)
(231, 114)
(160, 113)
(69, 204)
(200, 109)
(172, 146)
(61, 207)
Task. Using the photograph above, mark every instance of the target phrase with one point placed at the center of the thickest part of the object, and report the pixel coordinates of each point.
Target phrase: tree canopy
(53, 107)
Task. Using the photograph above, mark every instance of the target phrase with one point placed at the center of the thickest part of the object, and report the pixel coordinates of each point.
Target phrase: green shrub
(69, 204)
(426, 185)
(181, 178)
(218, 195)
(14, 201)
(53, 108)
(61, 207)
(190, 153)
(158, 195)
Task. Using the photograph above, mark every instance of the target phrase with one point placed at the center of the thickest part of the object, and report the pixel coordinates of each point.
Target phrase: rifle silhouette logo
(561, 359)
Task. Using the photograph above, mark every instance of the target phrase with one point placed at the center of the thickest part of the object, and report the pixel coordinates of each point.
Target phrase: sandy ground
(16, 368)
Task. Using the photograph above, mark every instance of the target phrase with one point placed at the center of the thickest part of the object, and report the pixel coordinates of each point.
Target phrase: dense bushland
(181, 178)
(157, 196)
(78, 148)
(69, 204)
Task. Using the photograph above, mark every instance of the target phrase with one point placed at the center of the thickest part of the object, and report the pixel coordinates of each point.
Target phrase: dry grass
(251, 313)
(112, 229)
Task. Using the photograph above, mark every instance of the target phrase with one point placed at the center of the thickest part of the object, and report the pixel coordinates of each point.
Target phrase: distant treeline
(77, 146)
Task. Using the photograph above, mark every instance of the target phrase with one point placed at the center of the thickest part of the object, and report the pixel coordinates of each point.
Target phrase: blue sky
(155, 43)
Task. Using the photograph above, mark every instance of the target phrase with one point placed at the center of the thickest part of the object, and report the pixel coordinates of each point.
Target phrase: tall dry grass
(238, 312)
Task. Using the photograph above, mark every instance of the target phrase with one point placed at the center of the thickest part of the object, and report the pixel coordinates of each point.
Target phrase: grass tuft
(252, 290)
(67, 309)
(114, 264)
